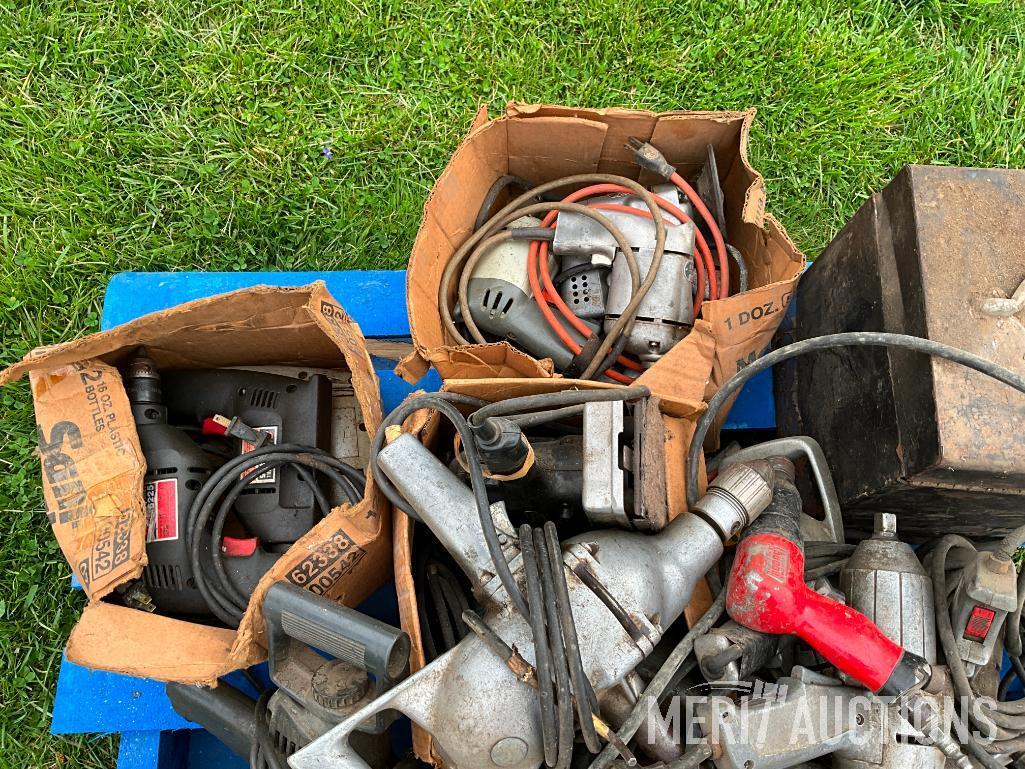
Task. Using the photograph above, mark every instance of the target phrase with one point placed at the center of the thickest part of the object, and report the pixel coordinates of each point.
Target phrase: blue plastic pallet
(153, 736)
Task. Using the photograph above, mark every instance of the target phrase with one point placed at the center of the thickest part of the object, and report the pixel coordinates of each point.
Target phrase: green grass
(178, 135)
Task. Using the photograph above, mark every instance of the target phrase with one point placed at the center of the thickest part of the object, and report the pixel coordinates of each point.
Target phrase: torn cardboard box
(666, 490)
(542, 143)
(93, 468)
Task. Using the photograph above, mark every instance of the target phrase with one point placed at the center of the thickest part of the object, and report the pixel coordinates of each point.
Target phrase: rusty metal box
(939, 445)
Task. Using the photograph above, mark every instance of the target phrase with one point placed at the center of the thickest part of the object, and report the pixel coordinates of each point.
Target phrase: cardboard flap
(94, 469)
(135, 643)
(413, 367)
(485, 361)
(265, 323)
(475, 361)
(343, 331)
(684, 372)
(92, 473)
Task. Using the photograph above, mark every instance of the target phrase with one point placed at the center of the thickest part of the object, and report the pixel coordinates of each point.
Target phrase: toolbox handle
(295, 614)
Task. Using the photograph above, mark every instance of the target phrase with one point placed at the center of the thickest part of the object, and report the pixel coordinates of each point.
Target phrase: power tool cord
(1007, 717)
(443, 403)
(513, 211)
(264, 753)
(829, 342)
(491, 197)
(502, 235)
(224, 486)
(546, 607)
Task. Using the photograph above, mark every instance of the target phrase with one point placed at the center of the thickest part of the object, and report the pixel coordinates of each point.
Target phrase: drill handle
(848, 639)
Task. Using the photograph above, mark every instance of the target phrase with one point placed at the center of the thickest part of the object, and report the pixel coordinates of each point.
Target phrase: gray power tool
(314, 692)
(624, 588)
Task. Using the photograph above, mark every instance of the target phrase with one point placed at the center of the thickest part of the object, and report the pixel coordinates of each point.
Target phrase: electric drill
(767, 593)
(274, 509)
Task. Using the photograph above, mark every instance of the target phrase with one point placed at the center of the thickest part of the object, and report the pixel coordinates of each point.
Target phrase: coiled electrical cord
(1008, 717)
(513, 211)
(223, 488)
(623, 324)
(829, 342)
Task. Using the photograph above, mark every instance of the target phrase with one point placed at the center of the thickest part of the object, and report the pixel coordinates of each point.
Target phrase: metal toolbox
(926, 256)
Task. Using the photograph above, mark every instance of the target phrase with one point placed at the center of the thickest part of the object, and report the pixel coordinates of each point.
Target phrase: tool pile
(584, 586)
(627, 268)
(552, 606)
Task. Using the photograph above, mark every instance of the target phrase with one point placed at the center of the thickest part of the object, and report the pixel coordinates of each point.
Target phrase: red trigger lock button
(239, 548)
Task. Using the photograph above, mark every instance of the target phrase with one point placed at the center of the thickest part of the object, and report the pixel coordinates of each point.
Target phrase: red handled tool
(767, 593)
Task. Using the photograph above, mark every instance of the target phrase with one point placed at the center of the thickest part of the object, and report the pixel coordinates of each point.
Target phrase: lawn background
(179, 135)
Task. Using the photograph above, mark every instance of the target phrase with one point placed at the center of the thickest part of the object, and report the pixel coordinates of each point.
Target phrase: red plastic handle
(767, 593)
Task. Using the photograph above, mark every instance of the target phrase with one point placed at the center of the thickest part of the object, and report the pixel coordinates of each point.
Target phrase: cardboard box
(93, 470)
(432, 430)
(542, 143)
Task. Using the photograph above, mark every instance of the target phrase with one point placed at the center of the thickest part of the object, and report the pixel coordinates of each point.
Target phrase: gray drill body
(481, 715)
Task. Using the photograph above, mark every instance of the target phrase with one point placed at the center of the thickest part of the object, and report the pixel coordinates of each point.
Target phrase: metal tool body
(625, 588)
(666, 313)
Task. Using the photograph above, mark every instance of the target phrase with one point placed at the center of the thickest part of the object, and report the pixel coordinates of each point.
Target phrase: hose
(828, 342)
(662, 680)
(224, 599)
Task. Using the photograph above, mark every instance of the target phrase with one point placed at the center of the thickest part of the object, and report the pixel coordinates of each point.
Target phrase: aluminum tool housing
(666, 314)
(625, 589)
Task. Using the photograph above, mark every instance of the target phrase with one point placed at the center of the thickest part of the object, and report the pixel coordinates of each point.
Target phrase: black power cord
(546, 607)
(264, 753)
(829, 342)
(220, 491)
(560, 674)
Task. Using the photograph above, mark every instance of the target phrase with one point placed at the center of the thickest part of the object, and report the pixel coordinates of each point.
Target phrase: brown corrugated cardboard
(93, 468)
(544, 142)
(678, 423)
